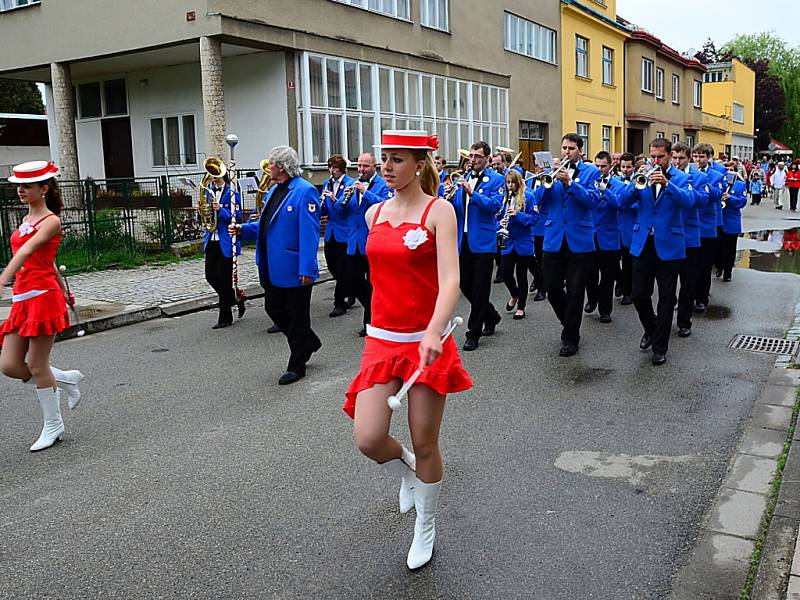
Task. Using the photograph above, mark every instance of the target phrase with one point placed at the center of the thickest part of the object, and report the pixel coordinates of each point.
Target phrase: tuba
(213, 167)
(263, 185)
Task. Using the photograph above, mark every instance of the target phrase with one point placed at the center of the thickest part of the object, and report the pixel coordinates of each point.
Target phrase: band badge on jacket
(312, 207)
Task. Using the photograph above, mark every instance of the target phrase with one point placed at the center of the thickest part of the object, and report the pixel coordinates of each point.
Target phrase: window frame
(734, 105)
(364, 5)
(607, 140)
(659, 83)
(586, 53)
(543, 44)
(697, 94)
(585, 138)
(676, 138)
(676, 88)
(608, 62)
(17, 6)
(181, 139)
(103, 110)
(649, 80)
(423, 12)
(661, 135)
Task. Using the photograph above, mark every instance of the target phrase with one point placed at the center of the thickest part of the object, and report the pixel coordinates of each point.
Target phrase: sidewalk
(113, 298)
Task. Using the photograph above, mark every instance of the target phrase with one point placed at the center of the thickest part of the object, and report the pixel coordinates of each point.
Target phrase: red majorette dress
(38, 305)
(405, 285)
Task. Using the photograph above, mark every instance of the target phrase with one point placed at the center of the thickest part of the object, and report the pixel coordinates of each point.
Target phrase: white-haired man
(779, 185)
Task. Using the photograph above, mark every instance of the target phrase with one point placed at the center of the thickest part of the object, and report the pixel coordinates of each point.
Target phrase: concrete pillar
(64, 112)
(213, 96)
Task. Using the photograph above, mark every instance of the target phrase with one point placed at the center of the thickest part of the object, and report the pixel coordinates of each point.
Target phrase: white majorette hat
(31, 172)
(413, 139)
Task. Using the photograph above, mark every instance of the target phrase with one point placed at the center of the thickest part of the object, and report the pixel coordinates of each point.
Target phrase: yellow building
(592, 74)
(728, 98)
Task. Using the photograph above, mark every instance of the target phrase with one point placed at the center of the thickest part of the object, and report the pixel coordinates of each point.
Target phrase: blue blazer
(483, 205)
(288, 248)
(336, 228)
(691, 216)
(661, 215)
(732, 213)
(606, 219)
(223, 220)
(356, 211)
(520, 229)
(569, 211)
(541, 216)
(627, 215)
(708, 216)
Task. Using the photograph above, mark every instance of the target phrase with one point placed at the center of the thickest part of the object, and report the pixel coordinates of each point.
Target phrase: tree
(783, 62)
(708, 54)
(20, 97)
(770, 105)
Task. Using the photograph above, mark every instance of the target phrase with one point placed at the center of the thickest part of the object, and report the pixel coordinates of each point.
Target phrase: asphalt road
(187, 472)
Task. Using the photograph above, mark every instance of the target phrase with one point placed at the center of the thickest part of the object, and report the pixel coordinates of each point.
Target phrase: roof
(597, 15)
(778, 144)
(641, 34)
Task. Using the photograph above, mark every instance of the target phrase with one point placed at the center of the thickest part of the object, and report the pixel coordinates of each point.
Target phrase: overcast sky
(685, 24)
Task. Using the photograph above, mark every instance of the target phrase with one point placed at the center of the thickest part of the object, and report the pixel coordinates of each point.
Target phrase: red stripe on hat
(411, 141)
(48, 168)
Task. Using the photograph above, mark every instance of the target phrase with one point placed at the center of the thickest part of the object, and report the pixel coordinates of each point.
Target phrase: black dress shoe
(532, 288)
(290, 377)
(605, 318)
(684, 332)
(489, 328)
(626, 300)
(590, 307)
(568, 349)
(618, 290)
(518, 316)
(646, 341)
(363, 332)
(337, 311)
(242, 308)
(274, 329)
(540, 295)
(470, 344)
(658, 359)
(699, 308)
(718, 273)
(221, 325)
(510, 305)
(727, 279)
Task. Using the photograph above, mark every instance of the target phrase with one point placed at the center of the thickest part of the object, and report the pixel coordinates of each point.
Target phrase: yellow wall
(744, 92)
(718, 99)
(588, 100)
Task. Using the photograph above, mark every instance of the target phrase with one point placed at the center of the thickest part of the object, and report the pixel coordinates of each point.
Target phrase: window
(690, 141)
(607, 138)
(346, 104)
(101, 99)
(583, 133)
(676, 89)
(675, 138)
(660, 134)
(89, 100)
(434, 14)
(115, 99)
(581, 56)
(738, 113)
(647, 75)
(529, 130)
(715, 76)
(529, 38)
(11, 4)
(660, 83)
(173, 141)
(608, 66)
(399, 9)
(697, 94)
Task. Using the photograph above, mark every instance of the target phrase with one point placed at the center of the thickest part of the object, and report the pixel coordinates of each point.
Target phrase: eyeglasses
(477, 156)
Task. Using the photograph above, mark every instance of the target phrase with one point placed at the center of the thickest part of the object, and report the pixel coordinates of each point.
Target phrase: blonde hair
(429, 177)
(516, 178)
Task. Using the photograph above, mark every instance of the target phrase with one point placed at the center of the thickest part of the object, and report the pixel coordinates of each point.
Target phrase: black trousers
(726, 252)
(708, 251)
(626, 272)
(756, 199)
(515, 276)
(600, 282)
(689, 277)
(536, 263)
(290, 309)
(476, 285)
(358, 285)
(565, 273)
(793, 197)
(647, 270)
(219, 275)
(336, 258)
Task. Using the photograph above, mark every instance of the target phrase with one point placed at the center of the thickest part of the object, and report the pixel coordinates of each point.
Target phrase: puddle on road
(775, 251)
(588, 374)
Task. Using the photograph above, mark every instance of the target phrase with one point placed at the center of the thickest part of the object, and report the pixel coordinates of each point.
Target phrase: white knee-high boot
(68, 381)
(53, 427)
(426, 501)
(404, 468)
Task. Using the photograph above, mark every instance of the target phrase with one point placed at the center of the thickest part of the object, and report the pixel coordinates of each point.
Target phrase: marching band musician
(336, 230)
(569, 237)
(690, 271)
(734, 198)
(368, 190)
(476, 201)
(219, 250)
(287, 238)
(517, 249)
(702, 156)
(600, 283)
(658, 245)
(627, 217)
(441, 166)
(538, 240)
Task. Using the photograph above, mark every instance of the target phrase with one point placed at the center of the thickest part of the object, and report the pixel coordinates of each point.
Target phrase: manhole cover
(757, 343)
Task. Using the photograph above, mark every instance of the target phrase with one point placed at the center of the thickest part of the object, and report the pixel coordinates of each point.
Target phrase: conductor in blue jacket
(477, 200)
(218, 247)
(287, 238)
(658, 245)
(569, 250)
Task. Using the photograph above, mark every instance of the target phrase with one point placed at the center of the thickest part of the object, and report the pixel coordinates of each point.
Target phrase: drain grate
(757, 343)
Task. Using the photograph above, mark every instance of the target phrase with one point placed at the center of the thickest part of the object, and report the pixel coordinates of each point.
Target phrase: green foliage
(20, 97)
(784, 63)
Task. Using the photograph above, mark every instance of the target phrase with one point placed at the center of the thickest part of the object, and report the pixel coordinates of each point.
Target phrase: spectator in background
(793, 183)
(778, 182)
(756, 186)
(739, 167)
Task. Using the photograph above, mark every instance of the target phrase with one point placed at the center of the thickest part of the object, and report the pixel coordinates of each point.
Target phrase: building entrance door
(117, 148)
(531, 139)
(635, 141)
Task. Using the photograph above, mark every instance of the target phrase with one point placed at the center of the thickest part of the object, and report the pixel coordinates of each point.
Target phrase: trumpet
(213, 167)
(642, 180)
(549, 179)
(263, 185)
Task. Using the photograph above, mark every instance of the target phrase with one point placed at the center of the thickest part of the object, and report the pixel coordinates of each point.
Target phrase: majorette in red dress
(405, 285)
(39, 307)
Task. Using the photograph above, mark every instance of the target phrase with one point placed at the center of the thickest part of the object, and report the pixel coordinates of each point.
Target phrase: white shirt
(779, 179)
(337, 184)
(473, 183)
